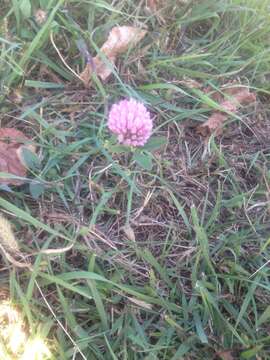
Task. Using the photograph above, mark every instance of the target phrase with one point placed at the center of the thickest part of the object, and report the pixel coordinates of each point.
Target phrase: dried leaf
(225, 355)
(11, 144)
(212, 125)
(156, 7)
(190, 83)
(238, 96)
(118, 42)
(129, 232)
(153, 6)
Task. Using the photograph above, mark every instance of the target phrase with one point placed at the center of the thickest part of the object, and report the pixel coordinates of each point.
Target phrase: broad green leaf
(36, 189)
(25, 7)
(264, 317)
(118, 149)
(30, 158)
(155, 143)
(143, 159)
(199, 328)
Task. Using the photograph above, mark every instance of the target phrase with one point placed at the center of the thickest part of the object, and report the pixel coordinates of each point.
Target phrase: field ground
(169, 259)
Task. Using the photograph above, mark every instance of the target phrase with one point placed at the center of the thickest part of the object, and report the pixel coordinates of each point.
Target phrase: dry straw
(7, 238)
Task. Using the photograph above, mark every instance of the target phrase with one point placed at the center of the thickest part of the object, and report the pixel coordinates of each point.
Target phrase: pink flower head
(131, 122)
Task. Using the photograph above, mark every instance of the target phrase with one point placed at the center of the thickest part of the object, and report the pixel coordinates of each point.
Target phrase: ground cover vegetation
(153, 252)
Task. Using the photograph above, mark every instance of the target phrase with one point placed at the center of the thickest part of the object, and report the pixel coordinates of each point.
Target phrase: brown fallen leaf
(238, 95)
(225, 355)
(12, 142)
(190, 83)
(160, 8)
(118, 42)
(154, 7)
(129, 232)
